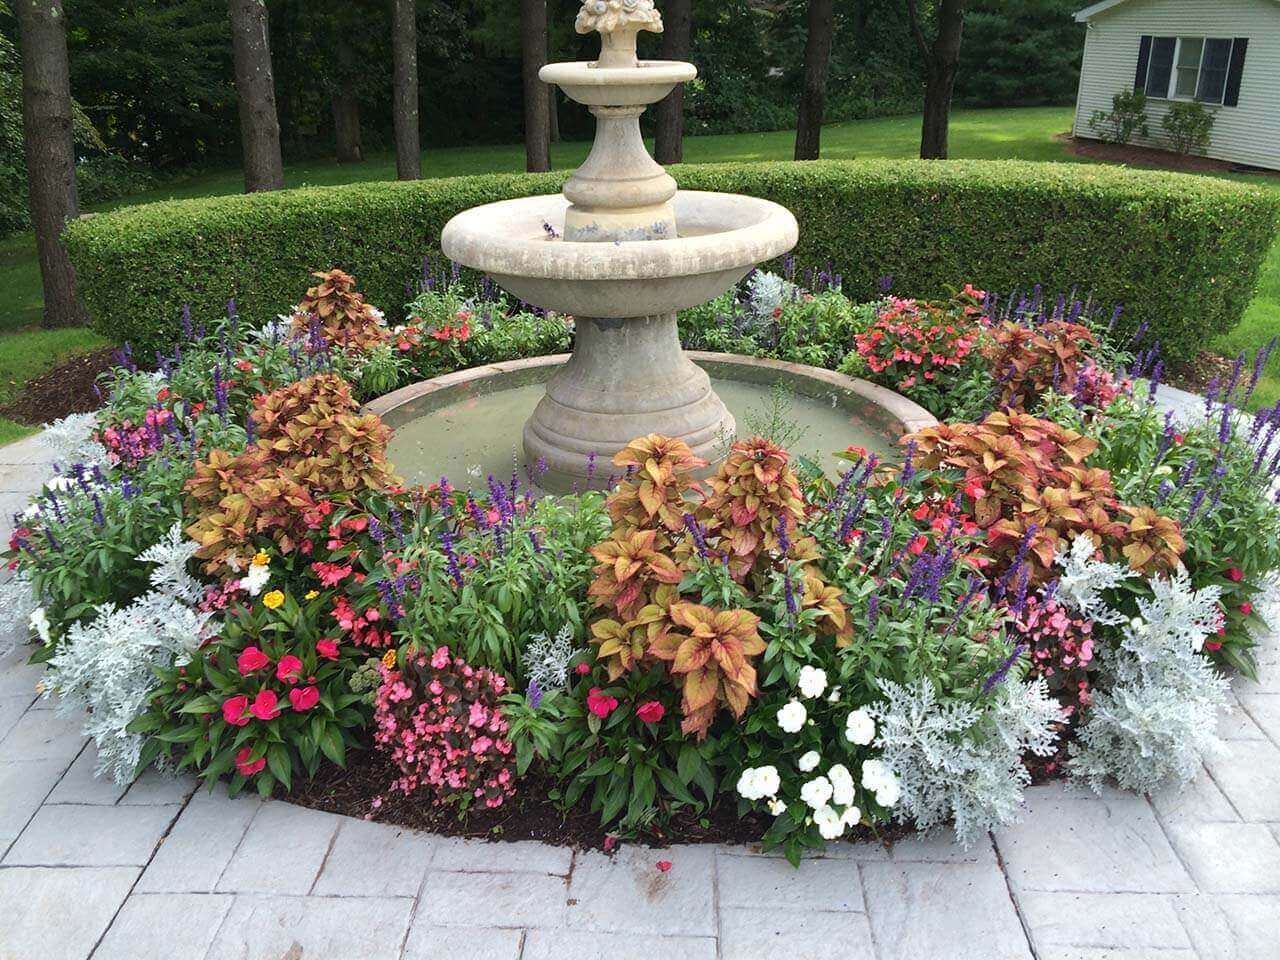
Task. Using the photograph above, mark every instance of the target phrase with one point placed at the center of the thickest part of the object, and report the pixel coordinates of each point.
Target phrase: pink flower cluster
(129, 445)
(1062, 649)
(439, 721)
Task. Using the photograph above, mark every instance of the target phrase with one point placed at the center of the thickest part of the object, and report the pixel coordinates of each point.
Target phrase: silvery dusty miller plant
(956, 761)
(1156, 713)
(105, 666)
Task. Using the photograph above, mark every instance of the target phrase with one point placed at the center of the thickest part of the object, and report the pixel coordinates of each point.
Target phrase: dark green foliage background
(1180, 253)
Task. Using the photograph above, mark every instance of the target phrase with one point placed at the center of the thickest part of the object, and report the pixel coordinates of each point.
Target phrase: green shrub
(1127, 116)
(1180, 253)
(1187, 125)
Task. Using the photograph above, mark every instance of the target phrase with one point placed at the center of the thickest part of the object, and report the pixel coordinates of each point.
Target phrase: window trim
(1171, 90)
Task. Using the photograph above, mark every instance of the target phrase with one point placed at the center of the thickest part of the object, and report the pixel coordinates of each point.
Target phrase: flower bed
(228, 575)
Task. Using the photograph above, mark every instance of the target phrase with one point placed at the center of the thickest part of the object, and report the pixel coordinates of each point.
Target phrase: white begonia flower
(756, 783)
(777, 807)
(841, 785)
(875, 773)
(851, 817)
(31, 512)
(39, 622)
(834, 695)
(377, 316)
(813, 680)
(816, 793)
(809, 761)
(256, 578)
(889, 793)
(828, 823)
(859, 728)
(59, 483)
(791, 717)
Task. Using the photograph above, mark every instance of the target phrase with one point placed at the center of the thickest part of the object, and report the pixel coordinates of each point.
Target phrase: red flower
(918, 544)
(1177, 438)
(251, 659)
(610, 841)
(1213, 645)
(601, 704)
(1235, 574)
(651, 712)
(663, 866)
(246, 767)
(974, 489)
(265, 706)
(235, 711)
(162, 394)
(582, 669)
(288, 669)
(921, 512)
(1246, 608)
(327, 648)
(304, 698)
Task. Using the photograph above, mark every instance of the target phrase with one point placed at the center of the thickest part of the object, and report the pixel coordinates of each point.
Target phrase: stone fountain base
(626, 378)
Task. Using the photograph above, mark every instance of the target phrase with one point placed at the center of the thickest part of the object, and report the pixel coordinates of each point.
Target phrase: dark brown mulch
(529, 815)
(1136, 156)
(1196, 375)
(66, 389)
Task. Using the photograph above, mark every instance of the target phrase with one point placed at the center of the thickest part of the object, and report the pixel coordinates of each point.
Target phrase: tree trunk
(553, 115)
(817, 61)
(346, 108)
(676, 45)
(50, 150)
(942, 61)
(255, 89)
(537, 124)
(404, 55)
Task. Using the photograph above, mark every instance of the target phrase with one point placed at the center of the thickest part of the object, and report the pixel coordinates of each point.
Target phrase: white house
(1223, 53)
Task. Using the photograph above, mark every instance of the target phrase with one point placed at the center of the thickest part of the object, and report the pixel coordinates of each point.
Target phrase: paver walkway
(88, 869)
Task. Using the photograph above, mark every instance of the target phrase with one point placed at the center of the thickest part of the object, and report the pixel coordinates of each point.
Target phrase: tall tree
(942, 61)
(677, 22)
(813, 94)
(404, 88)
(51, 169)
(537, 102)
(255, 88)
(346, 106)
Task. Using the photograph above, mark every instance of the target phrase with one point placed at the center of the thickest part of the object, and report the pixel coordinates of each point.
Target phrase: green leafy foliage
(1180, 254)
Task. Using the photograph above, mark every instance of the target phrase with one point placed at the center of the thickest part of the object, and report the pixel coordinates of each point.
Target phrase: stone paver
(163, 869)
(1074, 840)
(332, 928)
(58, 914)
(961, 911)
(190, 920)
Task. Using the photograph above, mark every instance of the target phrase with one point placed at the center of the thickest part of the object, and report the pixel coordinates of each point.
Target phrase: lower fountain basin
(721, 238)
(468, 424)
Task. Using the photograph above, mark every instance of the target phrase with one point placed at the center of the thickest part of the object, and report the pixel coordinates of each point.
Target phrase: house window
(1189, 68)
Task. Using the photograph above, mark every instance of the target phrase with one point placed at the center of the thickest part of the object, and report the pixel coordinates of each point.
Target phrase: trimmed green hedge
(1181, 253)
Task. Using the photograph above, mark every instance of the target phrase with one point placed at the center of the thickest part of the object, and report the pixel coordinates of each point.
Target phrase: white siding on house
(1248, 133)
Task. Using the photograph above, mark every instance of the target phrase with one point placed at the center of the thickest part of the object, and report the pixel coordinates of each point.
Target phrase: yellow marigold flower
(260, 559)
(389, 659)
(312, 594)
(273, 599)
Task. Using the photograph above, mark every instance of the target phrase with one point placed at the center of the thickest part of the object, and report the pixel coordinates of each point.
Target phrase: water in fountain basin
(466, 438)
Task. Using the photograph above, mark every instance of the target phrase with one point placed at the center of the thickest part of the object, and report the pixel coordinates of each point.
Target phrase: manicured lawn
(1023, 134)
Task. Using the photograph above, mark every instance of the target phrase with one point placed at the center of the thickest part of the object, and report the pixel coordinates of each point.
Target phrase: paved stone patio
(162, 870)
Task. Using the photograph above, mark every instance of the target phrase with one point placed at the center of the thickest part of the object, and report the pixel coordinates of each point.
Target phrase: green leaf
(279, 763)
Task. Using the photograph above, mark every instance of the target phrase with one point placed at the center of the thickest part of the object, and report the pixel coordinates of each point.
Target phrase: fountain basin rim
(587, 74)
(727, 231)
(907, 416)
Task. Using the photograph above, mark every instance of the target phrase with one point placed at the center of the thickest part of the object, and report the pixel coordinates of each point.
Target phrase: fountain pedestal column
(627, 378)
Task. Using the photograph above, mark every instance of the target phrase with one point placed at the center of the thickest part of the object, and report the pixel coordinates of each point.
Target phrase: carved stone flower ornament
(610, 16)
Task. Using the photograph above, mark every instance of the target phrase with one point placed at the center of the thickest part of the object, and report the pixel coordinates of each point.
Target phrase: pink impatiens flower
(288, 669)
(265, 705)
(250, 660)
(304, 698)
(235, 711)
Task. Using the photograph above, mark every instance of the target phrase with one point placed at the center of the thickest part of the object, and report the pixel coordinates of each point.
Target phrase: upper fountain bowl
(594, 86)
(722, 237)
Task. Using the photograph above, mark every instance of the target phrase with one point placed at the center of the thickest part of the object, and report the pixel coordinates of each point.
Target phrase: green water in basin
(467, 438)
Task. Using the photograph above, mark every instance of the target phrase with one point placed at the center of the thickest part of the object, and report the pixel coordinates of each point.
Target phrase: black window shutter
(1144, 58)
(1235, 71)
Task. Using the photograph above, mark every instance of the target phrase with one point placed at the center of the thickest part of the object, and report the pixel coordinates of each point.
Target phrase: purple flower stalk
(1002, 671)
(534, 696)
(697, 533)
(873, 611)
(446, 545)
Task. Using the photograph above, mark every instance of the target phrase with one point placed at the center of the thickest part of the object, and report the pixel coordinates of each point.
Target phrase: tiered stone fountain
(622, 249)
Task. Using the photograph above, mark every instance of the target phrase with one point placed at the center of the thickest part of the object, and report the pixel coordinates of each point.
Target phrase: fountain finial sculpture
(633, 250)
